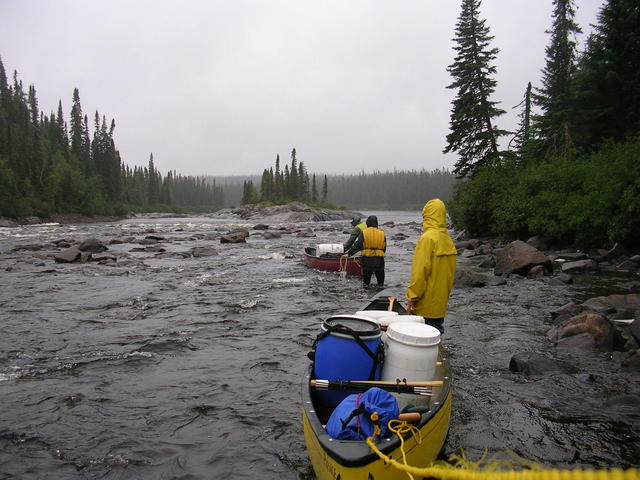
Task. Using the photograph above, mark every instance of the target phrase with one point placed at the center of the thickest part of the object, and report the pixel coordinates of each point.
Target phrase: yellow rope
(465, 469)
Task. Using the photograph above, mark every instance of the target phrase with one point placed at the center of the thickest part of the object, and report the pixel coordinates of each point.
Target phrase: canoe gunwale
(331, 264)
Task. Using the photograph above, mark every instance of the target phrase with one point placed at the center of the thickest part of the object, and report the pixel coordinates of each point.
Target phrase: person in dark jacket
(358, 228)
(373, 245)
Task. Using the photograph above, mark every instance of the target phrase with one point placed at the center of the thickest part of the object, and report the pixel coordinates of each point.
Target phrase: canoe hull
(433, 435)
(348, 459)
(332, 264)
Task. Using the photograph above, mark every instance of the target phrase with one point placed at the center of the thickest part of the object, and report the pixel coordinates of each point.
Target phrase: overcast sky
(219, 87)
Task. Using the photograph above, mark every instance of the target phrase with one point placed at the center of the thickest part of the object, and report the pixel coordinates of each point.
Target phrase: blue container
(339, 356)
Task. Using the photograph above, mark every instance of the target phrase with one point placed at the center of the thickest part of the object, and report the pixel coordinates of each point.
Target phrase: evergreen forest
(50, 166)
(571, 170)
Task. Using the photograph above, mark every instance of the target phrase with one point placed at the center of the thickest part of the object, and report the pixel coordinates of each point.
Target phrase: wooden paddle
(374, 383)
(391, 301)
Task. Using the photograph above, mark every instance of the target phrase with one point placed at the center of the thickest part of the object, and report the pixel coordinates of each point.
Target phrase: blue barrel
(339, 356)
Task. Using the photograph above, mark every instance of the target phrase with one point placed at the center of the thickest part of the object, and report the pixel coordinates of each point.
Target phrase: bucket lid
(415, 334)
(375, 314)
(388, 320)
(361, 326)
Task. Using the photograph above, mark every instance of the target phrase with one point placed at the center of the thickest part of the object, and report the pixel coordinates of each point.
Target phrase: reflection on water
(190, 367)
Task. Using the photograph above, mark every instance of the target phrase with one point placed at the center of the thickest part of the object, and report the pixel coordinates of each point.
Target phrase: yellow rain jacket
(434, 264)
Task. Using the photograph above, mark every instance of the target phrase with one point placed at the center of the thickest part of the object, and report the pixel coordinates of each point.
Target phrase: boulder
(465, 277)
(581, 266)
(519, 257)
(489, 262)
(203, 251)
(270, 235)
(614, 303)
(531, 363)
(8, 223)
(92, 245)
(585, 331)
(69, 255)
(237, 237)
(261, 226)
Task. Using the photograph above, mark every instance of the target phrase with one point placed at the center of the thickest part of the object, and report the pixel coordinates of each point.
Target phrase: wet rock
(176, 255)
(398, 237)
(536, 271)
(628, 266)
(103, 257)
(531, 363)
(632, 362)
(8, 223)
(92, 245)
(580, 266)
(571, 309)
(120, 241)
(586, 331)
(519, 257)
(69, 255)
(308, 233)
(31, 247)
(571, 256)
(465, 277)
(489, 262)
(612, 303)
(538, 242)
(203, 251)
(261, 226)
(30, 221)
(634, 328)
(238, 237)
(271, 235)
(149, 249)
(156, 237)
(149, 241)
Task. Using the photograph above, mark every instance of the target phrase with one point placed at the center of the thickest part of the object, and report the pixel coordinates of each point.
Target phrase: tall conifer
(555, 125)
(473, 133)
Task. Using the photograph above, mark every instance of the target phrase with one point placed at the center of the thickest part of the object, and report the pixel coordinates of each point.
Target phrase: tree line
(571, 170)
(291, 183)
(50, 166)
(389, 190)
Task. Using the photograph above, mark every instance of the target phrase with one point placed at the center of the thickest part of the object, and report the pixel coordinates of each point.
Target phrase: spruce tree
(473, 133)
(555, 126)
(608, 81)
(522, 139)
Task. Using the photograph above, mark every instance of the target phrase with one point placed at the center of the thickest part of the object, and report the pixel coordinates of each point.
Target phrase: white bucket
(375, 315)
(324, 248)
(385, 321)
(411, 353)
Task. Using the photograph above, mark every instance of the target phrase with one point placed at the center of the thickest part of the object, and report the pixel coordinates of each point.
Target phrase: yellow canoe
(351, 459)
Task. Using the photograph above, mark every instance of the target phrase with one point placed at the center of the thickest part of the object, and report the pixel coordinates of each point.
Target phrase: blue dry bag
(351, 420)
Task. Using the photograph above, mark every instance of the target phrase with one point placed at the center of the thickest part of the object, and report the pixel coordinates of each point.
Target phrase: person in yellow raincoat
(433, 267)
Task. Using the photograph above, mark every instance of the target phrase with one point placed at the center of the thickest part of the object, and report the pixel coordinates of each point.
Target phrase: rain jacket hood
(434, 264)
(434, 218)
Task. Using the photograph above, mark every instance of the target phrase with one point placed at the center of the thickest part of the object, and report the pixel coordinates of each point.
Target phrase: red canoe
(332, 262)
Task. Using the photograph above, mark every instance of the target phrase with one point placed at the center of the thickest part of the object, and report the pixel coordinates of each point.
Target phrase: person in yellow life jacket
(358, 228)
(433, 267)
(373, 245)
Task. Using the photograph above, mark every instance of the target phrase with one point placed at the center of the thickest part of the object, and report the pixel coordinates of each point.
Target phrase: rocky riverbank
(609, 323)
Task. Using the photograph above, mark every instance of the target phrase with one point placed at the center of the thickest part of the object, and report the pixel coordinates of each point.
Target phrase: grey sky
(220, 87)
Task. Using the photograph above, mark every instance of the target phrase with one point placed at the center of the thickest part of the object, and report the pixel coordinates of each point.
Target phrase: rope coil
(465, 469)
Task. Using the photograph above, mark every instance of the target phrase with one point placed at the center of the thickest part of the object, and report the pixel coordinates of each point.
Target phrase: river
(167, 367)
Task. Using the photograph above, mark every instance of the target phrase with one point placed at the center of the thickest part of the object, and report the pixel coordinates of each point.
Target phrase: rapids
(191, 367)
